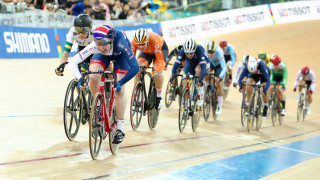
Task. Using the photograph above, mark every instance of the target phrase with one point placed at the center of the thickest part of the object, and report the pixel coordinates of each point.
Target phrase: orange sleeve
(134, 47)
(157, 44)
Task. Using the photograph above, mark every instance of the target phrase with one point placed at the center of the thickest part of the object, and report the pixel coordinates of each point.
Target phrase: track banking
(26, 42)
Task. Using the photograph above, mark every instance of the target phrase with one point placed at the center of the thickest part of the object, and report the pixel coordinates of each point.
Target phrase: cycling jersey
(218, 60)
(262, 74)
(280, 72)
(311, 77)
(230, 55)
(124, 59)
(73, 36)
(191, 64)
(156, 47)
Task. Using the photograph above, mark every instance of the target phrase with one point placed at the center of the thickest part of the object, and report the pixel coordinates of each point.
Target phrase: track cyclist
(152, 49)
(109, 45)
(265, 57)
(279, 75)
(195, 56)
(306, 76)
(229, 56)
(82, 34)
(217, 64)
(258, 71)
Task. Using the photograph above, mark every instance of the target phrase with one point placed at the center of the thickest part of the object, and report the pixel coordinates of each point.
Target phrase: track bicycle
(173, 90)
(210, 98)
(76, 108)
(275, 105)
(302, 103)
(188, 104)
(103, 120)
(243, 103)
(255, 107)
(143, 103)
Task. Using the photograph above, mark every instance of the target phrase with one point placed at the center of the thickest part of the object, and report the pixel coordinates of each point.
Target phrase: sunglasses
(102, 42)
(211, 52)
(142, 44)
(190, 53)
(82, 29)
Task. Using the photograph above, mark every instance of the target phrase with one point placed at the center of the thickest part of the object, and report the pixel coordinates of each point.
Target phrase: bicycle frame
(142, 80)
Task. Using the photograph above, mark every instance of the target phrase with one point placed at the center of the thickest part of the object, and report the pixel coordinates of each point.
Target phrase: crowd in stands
(97, 9)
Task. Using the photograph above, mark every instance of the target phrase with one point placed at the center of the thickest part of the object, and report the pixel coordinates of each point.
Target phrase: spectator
(51, 5)
(88, 10)
(99, 12)
(68, 5)
(80, 7)
(38, 4)
(124, 13)
(106, 9)
(117, 9)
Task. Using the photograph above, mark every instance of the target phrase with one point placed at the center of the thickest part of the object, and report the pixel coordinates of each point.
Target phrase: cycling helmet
(252, 64)
(262, 55)
(211, 46)
(223, 44)
(82, 23)
(275, 59)
(141, 36)
(104, 35)
(245, 59)
(189, 46)
(305, 70)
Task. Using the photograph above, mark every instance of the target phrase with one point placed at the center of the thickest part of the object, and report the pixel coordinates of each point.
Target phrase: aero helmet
(82, 23)
(211, 46)
(252, 64)
(275, 59)
(141, 36)
(189, 46)
(262, 55)
(223, 44)
(104, 34)
(245, 59)
(305, 70)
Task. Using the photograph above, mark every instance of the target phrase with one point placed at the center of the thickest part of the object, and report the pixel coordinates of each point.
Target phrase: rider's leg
(282, 99)
(219, 85)
(229, 72)
(94, 79)
(250, 81)
(120, 103)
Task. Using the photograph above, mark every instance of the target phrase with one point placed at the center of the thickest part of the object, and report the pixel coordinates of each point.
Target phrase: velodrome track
(34, 146)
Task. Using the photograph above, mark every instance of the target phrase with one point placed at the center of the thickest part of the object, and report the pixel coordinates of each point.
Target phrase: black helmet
(83, 22)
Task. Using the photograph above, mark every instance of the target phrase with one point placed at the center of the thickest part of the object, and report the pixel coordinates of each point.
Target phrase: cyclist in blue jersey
(109, 45)
(229, 56)
(195, 57)
(217, 64)
(258, 71)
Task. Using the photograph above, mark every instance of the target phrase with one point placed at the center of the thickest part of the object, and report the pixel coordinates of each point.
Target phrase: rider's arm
(171, 54)
(264, 69)
(178, 61)
(233, 56)
(271, 67)
(79, 57)
(128, 56)
(285, 76)
(159, 58)
(237, 73)
(313, 81)
(67, 46)
(297, 79)
(222, 65)
(242, 75)
(134, 47)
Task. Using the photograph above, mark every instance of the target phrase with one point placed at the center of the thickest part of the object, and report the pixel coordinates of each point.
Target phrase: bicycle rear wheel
(96, 126)
(300, 106)
(259, 113)
(137, 105)
(207, 103)
(71, 110)
(170, 93)
(183, 110)
(195, 119)
(225, 86)
(243, 110)
(113, 123)
(153, 113)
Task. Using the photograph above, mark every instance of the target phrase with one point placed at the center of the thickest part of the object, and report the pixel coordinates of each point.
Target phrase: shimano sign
(27, 42)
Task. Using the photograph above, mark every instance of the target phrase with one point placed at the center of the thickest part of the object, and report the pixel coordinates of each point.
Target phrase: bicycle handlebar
(104, 73)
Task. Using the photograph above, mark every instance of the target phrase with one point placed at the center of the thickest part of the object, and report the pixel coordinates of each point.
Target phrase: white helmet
(252, 64)
(189, 46)
(245, 59)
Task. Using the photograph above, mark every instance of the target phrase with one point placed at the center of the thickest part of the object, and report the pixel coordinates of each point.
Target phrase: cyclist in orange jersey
(152, 49)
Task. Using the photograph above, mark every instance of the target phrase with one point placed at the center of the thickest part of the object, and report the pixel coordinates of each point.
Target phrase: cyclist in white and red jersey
(305, 76)
(82, 34)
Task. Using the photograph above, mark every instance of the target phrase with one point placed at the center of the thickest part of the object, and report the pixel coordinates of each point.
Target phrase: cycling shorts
(147, 59)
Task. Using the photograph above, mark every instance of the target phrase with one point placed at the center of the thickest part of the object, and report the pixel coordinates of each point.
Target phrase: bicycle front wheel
(243, 110)
(300, 106)
(207, 103)
(183, 110)
(274, 109)
(195, 119)
(225, 86)
(71, 110)
(305, 107)
(251, 115)
(170, 93)
(137, 105)
(153, 113)
(113, 124)
(96, 126)
(259, 113)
